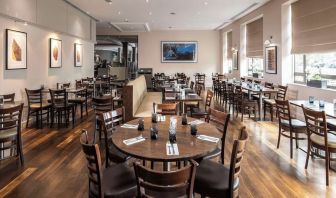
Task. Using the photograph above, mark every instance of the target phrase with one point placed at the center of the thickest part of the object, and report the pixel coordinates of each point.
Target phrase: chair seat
(7, 134)
(38, 105)
(295, 123)
(198, 112)
(331, 124)
(320, 140)
(78, 100)
(191, 103)
(119, 181)
(212, 179)
(270, 101)
(61, 106)
(116, 156)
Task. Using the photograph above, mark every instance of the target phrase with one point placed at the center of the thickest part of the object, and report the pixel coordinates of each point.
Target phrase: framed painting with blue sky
(179, 51)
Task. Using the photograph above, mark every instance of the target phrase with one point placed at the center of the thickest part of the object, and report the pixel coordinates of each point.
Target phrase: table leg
(260, 105)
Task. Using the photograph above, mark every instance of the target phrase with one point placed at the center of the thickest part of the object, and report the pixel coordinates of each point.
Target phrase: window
(255, 65)
(320, 66)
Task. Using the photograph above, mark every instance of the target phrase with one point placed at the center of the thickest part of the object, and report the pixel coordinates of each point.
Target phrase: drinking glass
(311, 99)
(321, 102)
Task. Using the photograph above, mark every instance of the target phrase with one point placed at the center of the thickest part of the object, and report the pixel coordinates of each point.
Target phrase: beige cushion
(320, 140)
(7, 133)
(191, 103)
(139, 91)
(270, 101)
(146, 107)
(295, 123)
(37, 105)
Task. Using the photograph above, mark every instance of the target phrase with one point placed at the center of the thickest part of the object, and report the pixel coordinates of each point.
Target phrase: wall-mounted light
(233, 49)
(269, 42)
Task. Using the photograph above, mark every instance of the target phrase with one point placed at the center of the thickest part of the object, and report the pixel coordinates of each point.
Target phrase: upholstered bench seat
(146, 107)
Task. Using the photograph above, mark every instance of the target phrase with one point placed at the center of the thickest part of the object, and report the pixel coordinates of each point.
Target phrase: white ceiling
(190, 14)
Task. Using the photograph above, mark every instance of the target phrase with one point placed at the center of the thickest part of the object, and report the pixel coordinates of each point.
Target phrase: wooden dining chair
(165, 108)
(189, 105)
(177, 183)
(200, 80)
(101, 105)
(118, 180)
(223, 93)
(289, 127)
(61, 107)
(244, 105)
(269, 103)
(216, 180)
(192, 83)
(249, 80)
(242, 79)
(37, 105)
(197, 112)
(8, 98)
(81, 99)
(221, 120)
(110, 120)
(319, 139)
(10, 132)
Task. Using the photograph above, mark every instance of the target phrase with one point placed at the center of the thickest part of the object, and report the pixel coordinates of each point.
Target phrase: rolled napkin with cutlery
(172, 149)
(196, 122)
(134, 140)
(208, 138)
(129, 126)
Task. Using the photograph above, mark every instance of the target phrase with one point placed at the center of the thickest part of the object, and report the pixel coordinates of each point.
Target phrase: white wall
(38, 36)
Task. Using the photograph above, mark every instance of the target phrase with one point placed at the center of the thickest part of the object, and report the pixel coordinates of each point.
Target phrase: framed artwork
(55, 53)
(235, 59)
(271, 60)
(16, 50)
(78, 55)
(179, 51)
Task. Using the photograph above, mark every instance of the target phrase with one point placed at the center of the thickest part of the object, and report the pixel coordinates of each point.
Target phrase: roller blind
(229, 45)
(313, 26)
(254, 38)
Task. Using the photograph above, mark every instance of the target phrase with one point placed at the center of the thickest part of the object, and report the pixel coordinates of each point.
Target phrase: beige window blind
(313, 26)
(254, 38)
(229, 45)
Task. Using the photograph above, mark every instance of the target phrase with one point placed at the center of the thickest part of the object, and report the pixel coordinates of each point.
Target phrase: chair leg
(73, 117)
(81, 110)
(308, 154)
(327, 167)
(279, 138)
(19, 147)
(271, 111)
(296, 141)
(291, 143)
(28, 114)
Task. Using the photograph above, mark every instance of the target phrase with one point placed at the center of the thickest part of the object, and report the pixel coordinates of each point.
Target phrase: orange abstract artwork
(78, 58)
(16, 51)
(55, 53)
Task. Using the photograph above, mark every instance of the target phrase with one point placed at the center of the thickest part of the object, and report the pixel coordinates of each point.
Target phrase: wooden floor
(56, 167)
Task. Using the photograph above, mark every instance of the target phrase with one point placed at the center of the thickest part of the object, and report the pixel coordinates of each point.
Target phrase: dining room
(154, 98)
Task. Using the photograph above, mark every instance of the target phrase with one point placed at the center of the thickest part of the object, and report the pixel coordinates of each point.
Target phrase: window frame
(248, 66)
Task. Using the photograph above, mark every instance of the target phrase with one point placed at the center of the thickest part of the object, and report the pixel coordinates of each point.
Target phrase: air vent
(131, 27)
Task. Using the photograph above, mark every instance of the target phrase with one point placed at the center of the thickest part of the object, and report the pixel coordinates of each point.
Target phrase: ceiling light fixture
(119, 13)
(126, 20)
(109, 1)
(150, 13)
(147, 1)
(205, 3)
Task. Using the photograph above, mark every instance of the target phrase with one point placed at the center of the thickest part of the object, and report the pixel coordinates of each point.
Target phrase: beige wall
(208, 52)
(38, 71)
(276, 24)
(149, 51)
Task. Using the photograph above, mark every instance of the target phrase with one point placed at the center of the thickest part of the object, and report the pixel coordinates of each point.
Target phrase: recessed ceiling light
(119, 13)
(147, 1)
(109, 1)
(172, 13)
(198, 13)
(126, 20)
(205, 3)
(150, 13)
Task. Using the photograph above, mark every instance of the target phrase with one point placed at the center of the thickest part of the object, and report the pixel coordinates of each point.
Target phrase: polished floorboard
(56, 167)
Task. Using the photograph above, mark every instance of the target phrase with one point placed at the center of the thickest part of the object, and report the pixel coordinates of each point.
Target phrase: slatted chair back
(63, 85)
(257, 82)
(282, 91)
(242, 79)
(269, 85)
(94, 164)
(177, 183)
(316, 123)
(8, 98)
(192, 83)
(236, 161)
(249, 80)
(208, 99)
(59, 97)
(104, 104)
(283, 111)
(222, 119)
(34, 97)
(165, 108)
(10, 119)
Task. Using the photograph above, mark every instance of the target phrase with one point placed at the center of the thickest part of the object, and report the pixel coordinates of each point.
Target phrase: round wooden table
(190, 147)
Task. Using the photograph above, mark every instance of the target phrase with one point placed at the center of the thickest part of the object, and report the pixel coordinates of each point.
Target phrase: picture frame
(179, 51)
(78, 55)
(55, 53)
(271, 60)
(16, 50)
(235, 60)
